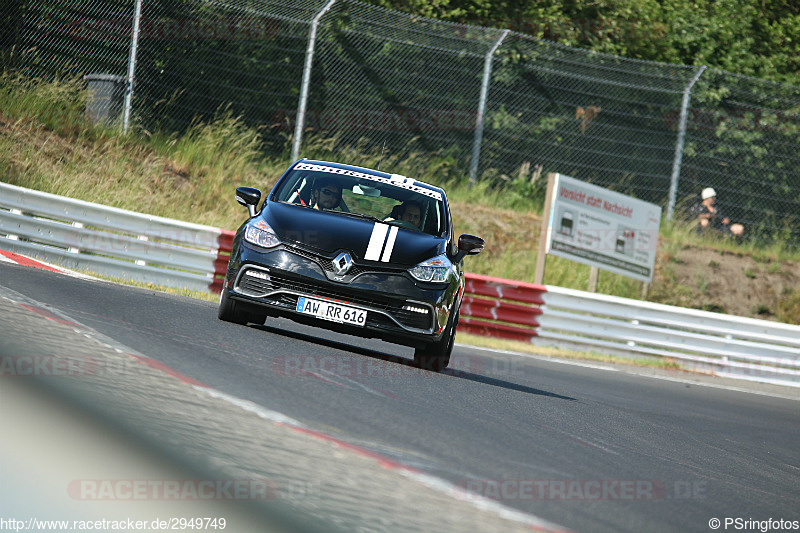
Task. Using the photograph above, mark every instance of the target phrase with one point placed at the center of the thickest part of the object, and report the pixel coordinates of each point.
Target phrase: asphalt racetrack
(577, 447)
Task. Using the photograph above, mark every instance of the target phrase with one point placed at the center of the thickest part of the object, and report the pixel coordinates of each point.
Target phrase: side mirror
(468, 245)
(249, 197)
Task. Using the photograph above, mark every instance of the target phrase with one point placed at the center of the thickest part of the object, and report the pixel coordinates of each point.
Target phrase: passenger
(410, 212)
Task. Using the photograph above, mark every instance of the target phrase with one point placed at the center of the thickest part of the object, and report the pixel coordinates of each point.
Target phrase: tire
(435, 356)
(232, 311)
(228, 310)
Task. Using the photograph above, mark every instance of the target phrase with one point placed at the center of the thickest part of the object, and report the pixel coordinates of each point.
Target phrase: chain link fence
(495, 105)
(743, 139)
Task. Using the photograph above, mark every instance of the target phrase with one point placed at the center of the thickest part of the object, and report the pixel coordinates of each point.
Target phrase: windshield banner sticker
(407, 183)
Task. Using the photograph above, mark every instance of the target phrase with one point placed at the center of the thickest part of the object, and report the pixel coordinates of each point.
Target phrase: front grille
(321, 260)
(326, 263)
(257, 287)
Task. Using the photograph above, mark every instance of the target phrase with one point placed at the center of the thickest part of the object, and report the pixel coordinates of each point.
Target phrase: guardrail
(501, 308)
(732, 346)
(111, 241)
(146, 248)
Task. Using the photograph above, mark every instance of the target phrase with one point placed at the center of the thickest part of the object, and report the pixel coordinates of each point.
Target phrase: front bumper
(399, 309)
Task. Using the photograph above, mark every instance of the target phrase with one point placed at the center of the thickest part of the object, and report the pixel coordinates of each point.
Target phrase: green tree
(751, 37)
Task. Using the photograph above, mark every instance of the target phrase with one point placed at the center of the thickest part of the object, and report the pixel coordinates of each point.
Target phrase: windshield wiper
(355, 215)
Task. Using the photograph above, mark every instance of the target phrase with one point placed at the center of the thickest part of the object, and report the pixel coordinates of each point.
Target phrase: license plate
(334, 312)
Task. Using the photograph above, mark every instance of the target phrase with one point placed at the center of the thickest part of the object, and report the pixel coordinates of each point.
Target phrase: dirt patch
(728, 282)
(501, 228)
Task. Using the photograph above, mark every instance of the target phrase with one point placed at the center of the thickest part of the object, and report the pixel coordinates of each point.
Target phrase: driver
(326, 194)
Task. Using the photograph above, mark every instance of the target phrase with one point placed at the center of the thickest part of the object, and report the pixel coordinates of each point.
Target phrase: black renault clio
(353, 250)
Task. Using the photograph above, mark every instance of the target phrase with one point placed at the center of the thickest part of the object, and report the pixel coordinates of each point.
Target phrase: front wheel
(435, 356)
(232, 311)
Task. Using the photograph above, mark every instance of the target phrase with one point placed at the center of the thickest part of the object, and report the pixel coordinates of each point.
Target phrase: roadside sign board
(603, 229)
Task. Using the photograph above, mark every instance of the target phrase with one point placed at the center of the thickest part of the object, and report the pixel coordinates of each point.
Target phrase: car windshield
(395, 200)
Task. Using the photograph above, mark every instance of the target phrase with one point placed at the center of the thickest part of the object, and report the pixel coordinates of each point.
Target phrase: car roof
(344, 166)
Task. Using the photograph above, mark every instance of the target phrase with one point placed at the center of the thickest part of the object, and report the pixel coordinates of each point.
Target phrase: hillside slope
(133, 175)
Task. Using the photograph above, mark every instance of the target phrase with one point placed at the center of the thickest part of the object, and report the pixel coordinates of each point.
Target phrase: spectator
(711, 216)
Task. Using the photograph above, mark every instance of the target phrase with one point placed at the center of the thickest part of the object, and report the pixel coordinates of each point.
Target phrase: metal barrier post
(301, 106)
(137, 16)
(676, 165)
(487, 73)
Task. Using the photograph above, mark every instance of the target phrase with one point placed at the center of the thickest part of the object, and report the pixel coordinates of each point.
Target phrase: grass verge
(545, 351)
(47, 143)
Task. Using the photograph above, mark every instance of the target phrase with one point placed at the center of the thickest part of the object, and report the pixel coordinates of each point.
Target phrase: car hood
(365, 240)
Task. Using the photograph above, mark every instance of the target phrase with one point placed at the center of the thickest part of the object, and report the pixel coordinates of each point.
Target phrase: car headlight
(434, 270)
(261, 234)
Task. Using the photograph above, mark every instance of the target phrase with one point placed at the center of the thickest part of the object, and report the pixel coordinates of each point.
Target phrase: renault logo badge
(342, 263)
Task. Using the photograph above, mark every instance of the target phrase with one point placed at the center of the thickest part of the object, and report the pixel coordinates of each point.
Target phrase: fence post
(137, 15)
(676, 164)
(301, 106)
(541, 256)
(487, 73)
